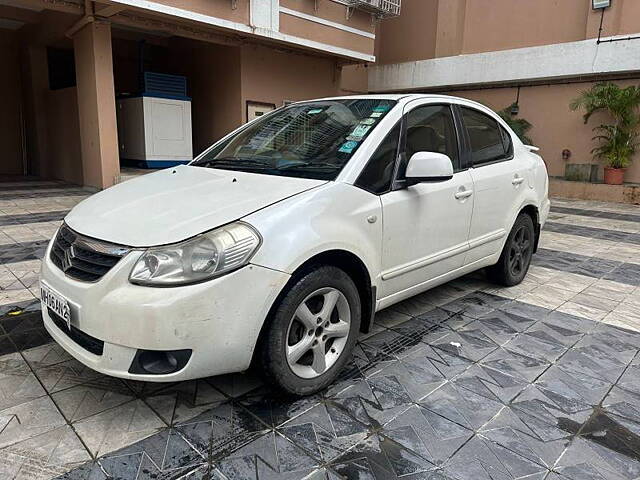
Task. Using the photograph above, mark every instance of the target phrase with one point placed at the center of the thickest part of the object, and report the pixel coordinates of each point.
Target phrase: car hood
(178, 203)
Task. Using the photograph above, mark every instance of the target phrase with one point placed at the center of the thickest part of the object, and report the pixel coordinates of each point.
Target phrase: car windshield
(309, 140)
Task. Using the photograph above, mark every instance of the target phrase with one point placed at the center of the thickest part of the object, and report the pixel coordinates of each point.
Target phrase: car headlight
(203, 257)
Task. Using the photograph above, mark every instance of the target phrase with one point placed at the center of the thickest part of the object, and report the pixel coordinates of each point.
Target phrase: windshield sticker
(382, 108)
(314, 111)
(360, 131)
(368, 121)
(376, 114)
(348, 147)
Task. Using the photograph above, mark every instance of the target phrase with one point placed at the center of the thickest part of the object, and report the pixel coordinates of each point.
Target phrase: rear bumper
(545, 207)
(218, 320)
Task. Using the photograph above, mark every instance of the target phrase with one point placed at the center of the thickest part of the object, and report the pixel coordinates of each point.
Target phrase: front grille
(84, 258)
(85, 340)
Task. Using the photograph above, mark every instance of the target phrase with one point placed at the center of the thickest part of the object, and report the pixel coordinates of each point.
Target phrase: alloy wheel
(520, 251)
(318, 332)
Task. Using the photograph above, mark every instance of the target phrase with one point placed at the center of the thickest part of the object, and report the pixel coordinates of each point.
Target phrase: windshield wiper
(312, 166)
(239, 162)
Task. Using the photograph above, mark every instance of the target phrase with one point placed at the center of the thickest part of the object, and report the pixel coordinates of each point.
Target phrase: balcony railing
(379, 8)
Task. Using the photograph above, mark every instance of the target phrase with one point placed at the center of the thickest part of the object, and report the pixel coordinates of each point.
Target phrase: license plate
(57, 303)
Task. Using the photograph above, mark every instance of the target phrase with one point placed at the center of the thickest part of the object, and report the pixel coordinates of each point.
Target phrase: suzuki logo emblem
(69, 255)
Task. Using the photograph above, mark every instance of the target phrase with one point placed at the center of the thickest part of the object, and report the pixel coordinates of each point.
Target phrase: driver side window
(430, 128)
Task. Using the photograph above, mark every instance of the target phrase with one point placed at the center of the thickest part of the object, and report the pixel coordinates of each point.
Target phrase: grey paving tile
(596, 213)
(182, 401)
(43, 456)
(27, 218)
(115, 428)
(520, 433)
(432, 436)
(585, 459)
(69, 373)
(27, 420)
(325, 431)
(82, 401)
(462, 406)
(492, 384)
(270, 456)
(481, 459)
(21, 252)
(222, 430)
(381, 457)
(18, 384)
(516, 364)
(164, 455)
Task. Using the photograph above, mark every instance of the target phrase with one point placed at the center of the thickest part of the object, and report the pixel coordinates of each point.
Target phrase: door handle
(463, 194)
(517, 180)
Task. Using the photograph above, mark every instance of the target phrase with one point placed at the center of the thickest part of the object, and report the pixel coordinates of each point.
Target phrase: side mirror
(428, 167)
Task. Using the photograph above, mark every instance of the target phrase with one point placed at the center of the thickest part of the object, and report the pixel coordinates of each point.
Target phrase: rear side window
(376, 176)
(507, 142)
(489, 142)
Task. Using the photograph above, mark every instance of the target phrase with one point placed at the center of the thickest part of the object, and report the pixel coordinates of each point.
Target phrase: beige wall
(555, 126)
(64, 158)
(213, 73)
(272, 76)
(330, 10)
(410, 36)
(440, 28)
(10, 125)
(503, 24)
(354, 79)
(214, 8)
(303, 28)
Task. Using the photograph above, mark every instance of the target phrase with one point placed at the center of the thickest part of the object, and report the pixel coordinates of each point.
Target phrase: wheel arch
(534, 213)
(345, 260)
(354, 267)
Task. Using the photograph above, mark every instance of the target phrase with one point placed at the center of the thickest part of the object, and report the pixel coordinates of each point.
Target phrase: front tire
(312, 332)
(516, 255)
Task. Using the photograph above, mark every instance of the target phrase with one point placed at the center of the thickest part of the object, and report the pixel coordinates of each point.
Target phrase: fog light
(157, 362)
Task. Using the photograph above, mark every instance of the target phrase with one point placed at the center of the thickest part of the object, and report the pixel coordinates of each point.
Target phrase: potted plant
(618, 140)
(520, 126)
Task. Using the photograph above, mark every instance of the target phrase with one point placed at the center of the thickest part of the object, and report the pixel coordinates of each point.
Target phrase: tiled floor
(465, 382)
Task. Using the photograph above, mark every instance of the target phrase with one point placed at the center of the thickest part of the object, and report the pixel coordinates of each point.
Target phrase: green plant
(520, 126)
(617, 141)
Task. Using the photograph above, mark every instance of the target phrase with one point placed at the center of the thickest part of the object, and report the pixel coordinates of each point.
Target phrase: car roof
(404, 98)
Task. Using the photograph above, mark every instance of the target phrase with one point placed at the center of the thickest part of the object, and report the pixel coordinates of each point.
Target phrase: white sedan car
(279, 243)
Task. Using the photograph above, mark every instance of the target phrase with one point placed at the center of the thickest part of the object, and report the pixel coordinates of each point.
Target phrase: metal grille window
(380, 8)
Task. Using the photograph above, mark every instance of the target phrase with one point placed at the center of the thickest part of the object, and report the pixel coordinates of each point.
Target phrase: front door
(426, 226)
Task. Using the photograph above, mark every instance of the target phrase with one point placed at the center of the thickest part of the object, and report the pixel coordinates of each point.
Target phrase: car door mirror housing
(428, 167)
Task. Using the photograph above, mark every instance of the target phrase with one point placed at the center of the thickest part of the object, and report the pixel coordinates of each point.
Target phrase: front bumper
(218, 320)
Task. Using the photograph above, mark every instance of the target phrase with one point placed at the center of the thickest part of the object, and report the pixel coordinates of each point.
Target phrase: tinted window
(430, 129)
(376, 176)
(485, 137)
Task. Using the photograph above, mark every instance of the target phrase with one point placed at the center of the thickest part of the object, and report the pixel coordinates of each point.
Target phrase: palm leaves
(519, 125)
(617, 141)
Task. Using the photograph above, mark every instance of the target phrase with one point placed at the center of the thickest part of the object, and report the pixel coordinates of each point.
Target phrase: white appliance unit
(154, 127)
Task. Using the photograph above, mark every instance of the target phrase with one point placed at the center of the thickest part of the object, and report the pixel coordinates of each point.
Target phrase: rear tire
(312, 332)
(516, 255)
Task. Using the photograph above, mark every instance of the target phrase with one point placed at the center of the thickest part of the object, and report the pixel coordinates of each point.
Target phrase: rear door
(499, 181)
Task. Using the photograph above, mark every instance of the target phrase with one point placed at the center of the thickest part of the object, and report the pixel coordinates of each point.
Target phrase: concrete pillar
(36, 85)
(96, 104)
